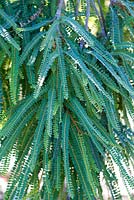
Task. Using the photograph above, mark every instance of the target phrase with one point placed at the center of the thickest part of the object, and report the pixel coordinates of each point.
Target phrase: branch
(100, 19)
(87, 14)
(113, 1)
(58, 13)
(77, 8)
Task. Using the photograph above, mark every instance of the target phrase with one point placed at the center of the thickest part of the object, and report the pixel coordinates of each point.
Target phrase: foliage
(66, 97)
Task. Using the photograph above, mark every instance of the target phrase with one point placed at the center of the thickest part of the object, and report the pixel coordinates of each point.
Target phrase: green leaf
(8, 19)
(29, 47)
(50, 107)
(5, 34)
(77, 59)
(65, 141)
(62, 68)
(38, 134)
(14, 75)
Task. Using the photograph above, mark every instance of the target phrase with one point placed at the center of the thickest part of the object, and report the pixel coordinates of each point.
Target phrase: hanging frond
(46, 46)
(115, 26)
(65, 139)
(14, 75)
(4, 33)
(62, 69)
(66, 98)
(87, 72)
(38, 134)
(8, 19)
(51, 101)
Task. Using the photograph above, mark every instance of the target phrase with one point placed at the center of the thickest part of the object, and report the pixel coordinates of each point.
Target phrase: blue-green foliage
(65, 144)
(66, 98)
(1, 95)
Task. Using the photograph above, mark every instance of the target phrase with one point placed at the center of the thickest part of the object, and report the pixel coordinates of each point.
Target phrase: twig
(33, 17)
(58, 13)
(77, 8)
(87, 14)
(100, 19)
(113, 1)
